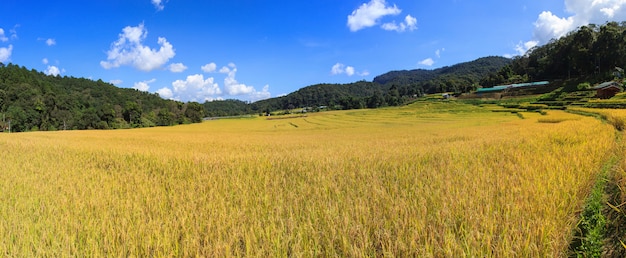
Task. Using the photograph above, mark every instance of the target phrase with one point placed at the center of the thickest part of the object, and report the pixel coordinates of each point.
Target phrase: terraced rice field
(426, 180)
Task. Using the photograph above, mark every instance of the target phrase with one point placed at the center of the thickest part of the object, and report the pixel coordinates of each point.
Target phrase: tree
(195, 112)
(132, 113)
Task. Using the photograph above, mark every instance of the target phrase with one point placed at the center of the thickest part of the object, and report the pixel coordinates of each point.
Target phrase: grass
(429, 179)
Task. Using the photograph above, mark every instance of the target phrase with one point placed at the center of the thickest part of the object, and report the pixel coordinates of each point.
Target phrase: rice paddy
(426, 180)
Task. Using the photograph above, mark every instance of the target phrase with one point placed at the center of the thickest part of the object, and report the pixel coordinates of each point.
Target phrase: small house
(608, 89)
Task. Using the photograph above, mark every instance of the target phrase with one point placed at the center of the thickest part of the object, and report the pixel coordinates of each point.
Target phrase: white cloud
(427, 62)
(53, 70)
(550, 26)
(3, 38)
(340, 68)
(583, 12)
(231, 85)
(129, 50)
(259, 95)
(409, 23)
(5, 53)
(350, 70)
(368, 14)
(44, 61)
(438, 52)
(165, 93)
(195, 88)
(523, 47)
(116, 82)
(158, 4)
(143, 85)
(51, 42)
(177, 68)
(224, 70)
(209, 68)
(235, 88)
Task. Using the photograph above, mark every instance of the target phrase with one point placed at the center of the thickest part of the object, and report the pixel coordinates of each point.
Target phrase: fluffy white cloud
(44, 61)
(143, 85)
(583, 12)
(226, 69)
(235, 88)
(368, 14)
(3, 38)
(177, 68)
(195, 88)
(165, 93)
(340, 68)
(523, 47)
(550, 26)
(209, 68)
(158, 4)
(53, 70)
(350, 70)
(5, 53)
(427, 62)
(129, 50)
(409, 23)
(51, 42)
(231, 85)
(259, 95)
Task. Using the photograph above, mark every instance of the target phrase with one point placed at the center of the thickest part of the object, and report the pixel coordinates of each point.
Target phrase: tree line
(31, 101)
(390, 89)
(593, 53)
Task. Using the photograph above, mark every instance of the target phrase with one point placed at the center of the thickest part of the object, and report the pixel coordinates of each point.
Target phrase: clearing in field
(429, 179)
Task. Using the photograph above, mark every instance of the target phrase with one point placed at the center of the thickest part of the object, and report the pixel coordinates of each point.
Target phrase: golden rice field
(425, 180)
(617, 202)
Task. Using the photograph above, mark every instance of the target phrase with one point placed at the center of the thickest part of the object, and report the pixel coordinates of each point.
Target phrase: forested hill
(389, 89)
(450, 78)
(31, 100)
(593, 53)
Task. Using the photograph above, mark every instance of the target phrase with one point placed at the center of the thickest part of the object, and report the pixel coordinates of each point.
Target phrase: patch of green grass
(591, 229)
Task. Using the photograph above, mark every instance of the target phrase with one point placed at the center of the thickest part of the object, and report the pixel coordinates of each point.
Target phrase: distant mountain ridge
(394, 86)
(478, 68)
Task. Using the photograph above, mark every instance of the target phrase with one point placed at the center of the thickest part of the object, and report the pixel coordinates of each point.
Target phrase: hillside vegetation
(32, 101)
(424, 180)
(592, 53)
(390, 89)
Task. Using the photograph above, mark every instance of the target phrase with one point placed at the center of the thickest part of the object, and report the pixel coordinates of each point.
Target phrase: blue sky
(252, 49)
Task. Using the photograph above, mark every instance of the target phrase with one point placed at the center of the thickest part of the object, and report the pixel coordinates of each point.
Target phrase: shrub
(584, 86)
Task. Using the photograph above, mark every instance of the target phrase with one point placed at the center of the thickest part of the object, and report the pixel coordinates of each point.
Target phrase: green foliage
(32, 100)
(463, 77)
(591, 52)
(592, 225)
(584, 86)
(390, 89)
(229, 107)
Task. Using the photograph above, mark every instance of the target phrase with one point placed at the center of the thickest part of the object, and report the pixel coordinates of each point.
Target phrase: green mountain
(461, 77)
(591, 53)
(31, 100)
(392, 88)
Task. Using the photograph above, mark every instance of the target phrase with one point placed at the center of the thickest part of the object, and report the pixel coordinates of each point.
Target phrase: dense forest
(463, 77)
(31, 101)
(591, 53)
